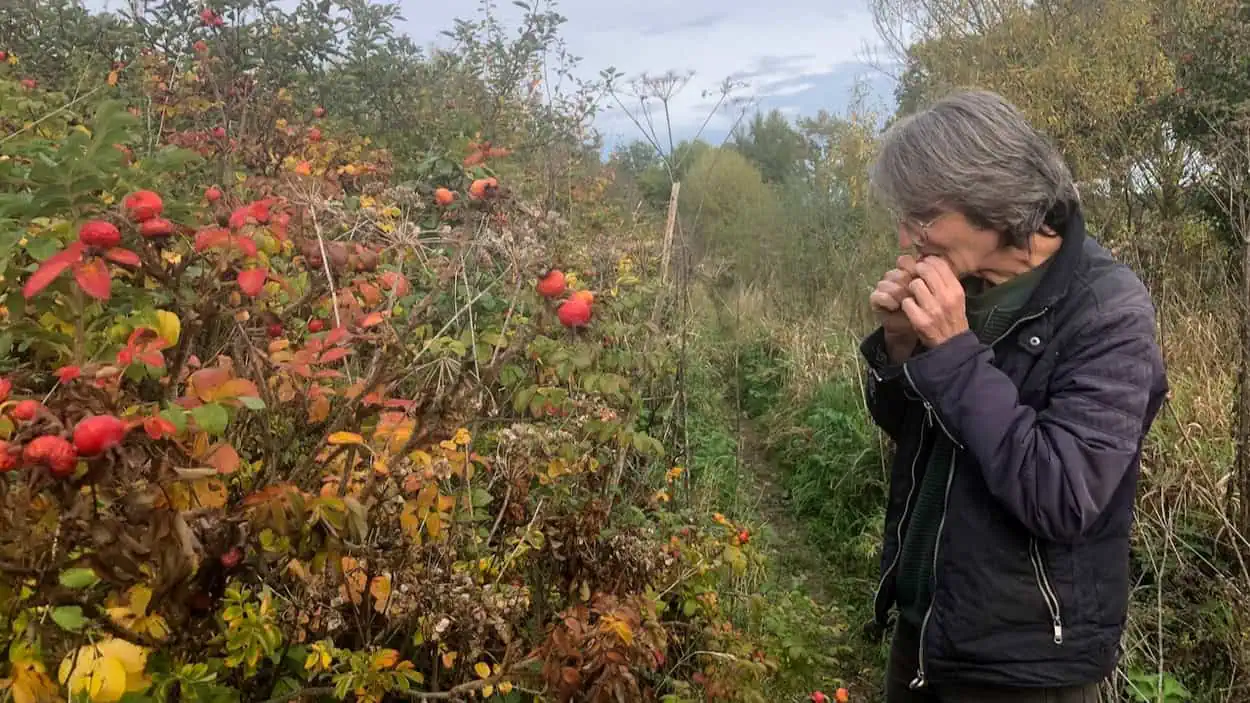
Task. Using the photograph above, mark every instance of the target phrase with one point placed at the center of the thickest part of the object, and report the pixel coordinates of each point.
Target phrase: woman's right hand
(887, 304)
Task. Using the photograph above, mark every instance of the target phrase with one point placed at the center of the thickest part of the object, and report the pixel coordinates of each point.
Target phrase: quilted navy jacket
(1031, 578)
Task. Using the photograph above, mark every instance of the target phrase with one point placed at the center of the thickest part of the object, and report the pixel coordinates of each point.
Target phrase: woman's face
(949, 236)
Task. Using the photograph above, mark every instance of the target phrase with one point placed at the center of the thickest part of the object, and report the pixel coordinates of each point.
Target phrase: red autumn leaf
(255, 212)
(144, 344)
(238, 218)
(232, 389)
(65, 374)
(157, 427)
(152, 358)
(370, 293)
(401, 403)
(211, 237)
(282, 492)
(373, 319)
(336, 335)
(224, 458)
(125, 257)
(203, 382)
(259, 211)
(252, 281)
(328, 373)
(214, 237)
(395, 281)
(93, 277)
(334, 355)
(51, 268)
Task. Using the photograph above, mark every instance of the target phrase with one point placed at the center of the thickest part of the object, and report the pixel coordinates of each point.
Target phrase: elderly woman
(1017, 371)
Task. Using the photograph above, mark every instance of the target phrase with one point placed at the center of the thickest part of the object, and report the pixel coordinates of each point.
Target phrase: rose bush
(275, 424)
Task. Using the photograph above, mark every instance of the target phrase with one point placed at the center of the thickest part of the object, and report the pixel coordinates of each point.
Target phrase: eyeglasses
(917, 230)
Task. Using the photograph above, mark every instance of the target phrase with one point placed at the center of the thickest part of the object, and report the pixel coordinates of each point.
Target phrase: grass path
(796, 555)
(801, 569)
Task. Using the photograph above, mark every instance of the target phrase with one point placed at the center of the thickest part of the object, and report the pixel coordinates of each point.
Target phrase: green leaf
(69, 617)
(251, 402)
(583, 358)
(177, 416)
(40, 247)
(78, 578)
(211, 418)
(481, 498)
(521, 401)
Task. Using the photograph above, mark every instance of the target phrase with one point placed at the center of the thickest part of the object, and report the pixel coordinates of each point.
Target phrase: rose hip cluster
(574, 312)
(91, 437)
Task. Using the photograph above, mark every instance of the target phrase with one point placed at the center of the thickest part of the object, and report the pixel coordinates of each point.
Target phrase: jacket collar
(1064, 265)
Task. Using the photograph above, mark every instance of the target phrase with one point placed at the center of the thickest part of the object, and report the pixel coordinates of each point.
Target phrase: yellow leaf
(488, 691)
(153, 626)
(102, 678)
(205, 492)
(29, 683)
(449, 659)
(618, 627)
(385, 659)
(319, 410)
(168, 326)
(346, 438)
(112, 79)
(434, 525)
(410, 522)
(318, 658)
(481, 669)
(139, 597)
(209, 493)
(380, 589)
(505, 687)
(133, 657)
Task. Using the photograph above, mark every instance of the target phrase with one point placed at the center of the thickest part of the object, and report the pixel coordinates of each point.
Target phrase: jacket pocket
(1045, 587)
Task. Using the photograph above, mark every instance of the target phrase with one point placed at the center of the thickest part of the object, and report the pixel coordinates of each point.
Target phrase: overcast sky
(796, 55)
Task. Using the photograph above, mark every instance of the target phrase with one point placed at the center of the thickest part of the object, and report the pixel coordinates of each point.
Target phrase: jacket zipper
(931, 413)
(1035, 551)
(903, 519)
(921, 680)
(1043, 585)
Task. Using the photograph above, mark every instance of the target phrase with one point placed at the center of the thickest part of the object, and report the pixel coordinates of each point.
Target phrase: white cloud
(783, 48)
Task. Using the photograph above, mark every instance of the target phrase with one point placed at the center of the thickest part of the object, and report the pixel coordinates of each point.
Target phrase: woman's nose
(905, 238)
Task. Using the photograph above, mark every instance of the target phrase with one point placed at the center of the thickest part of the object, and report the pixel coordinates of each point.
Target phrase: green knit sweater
(991, 311)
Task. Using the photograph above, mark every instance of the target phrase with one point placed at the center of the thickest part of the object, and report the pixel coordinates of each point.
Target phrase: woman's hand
(887, 305)
(935, 308)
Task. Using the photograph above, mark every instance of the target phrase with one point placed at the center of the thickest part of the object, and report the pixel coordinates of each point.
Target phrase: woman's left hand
(936, 308)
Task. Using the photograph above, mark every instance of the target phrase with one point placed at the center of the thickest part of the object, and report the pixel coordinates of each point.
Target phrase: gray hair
(974, 153)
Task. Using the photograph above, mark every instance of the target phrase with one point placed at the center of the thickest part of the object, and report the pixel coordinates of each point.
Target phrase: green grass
(809, 473)
(832, 460)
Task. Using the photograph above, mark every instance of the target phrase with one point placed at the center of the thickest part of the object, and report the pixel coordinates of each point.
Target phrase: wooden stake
(666, 253)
